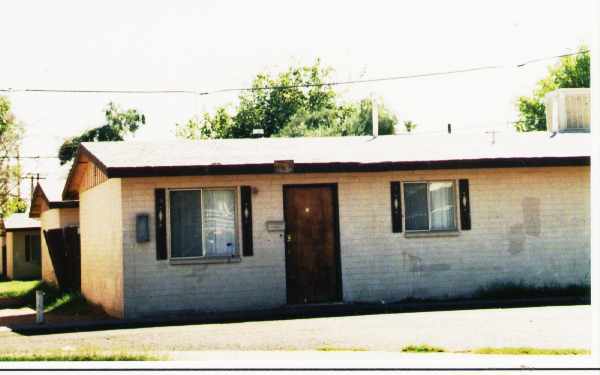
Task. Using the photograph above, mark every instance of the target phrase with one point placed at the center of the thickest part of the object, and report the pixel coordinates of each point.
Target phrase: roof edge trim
(81, 150)
(202, 170)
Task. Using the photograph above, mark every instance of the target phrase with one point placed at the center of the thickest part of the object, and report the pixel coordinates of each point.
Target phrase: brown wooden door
(312, 247)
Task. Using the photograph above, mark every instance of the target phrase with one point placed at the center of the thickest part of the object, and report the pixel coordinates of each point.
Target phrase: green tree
(11, 134)
(570, 72)
(292, 104)
(409, 126)
(119, 123)
(361, 123)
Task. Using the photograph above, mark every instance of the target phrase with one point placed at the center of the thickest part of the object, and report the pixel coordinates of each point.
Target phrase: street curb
(292, 312)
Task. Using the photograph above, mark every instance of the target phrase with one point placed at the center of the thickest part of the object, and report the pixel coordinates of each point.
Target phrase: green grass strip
(422, 349)
(531, 351)
(79, 356)
(18, 289)
(340, 349)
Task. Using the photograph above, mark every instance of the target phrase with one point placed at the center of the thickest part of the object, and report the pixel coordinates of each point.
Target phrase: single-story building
(21, 258)
(222, 225)
(58, 218)
(241, 224)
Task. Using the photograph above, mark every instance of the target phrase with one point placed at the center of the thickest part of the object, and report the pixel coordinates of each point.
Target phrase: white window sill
(439, 233)
(205, 260)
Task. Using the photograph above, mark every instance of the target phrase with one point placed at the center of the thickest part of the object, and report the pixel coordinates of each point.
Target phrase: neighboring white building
(21, 254)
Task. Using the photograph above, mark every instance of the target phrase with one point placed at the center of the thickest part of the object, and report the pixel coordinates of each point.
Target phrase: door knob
(289, 238)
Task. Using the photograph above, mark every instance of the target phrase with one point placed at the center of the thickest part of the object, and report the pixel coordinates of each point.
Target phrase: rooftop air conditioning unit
(568, 110)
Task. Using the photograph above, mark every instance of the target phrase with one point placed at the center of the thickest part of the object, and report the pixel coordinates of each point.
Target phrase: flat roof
(329, 150)
(20, 221)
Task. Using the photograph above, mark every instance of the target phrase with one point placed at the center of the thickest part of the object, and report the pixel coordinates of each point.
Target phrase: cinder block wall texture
(53, 219)
(528, 225)
(102, 246)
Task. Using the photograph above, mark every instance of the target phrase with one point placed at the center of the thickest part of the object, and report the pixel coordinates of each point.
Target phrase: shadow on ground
(57, 323)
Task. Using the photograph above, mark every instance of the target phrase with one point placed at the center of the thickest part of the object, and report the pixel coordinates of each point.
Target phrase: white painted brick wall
(102, 246)
(376, 263)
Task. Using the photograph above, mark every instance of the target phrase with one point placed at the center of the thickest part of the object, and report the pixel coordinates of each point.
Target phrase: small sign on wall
(275, 226)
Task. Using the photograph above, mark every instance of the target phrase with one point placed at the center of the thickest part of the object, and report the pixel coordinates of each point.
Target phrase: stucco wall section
(101, 246)
(53, 219)
(18, 268)
(528, 224)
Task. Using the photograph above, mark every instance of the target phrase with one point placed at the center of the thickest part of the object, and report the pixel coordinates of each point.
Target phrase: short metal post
(39, 306)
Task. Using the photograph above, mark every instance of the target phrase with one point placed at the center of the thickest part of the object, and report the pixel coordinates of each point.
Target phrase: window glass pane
(441, 198)
(186, 223)
(219, 222)
(415, 203)
(35, 248)
(27, 248)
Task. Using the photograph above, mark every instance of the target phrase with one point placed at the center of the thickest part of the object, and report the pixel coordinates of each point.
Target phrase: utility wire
(334, 83)
(241, 89)
(28, 157)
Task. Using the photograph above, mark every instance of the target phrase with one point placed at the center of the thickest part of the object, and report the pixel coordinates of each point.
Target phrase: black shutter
(396, 205)
(465, 204)
(246, 195)
(161, 223)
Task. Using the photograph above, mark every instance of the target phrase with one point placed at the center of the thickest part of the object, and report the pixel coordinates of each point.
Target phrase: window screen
(186, 223)
(415, 203)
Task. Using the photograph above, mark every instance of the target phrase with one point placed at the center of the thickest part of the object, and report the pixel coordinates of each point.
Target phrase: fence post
(39, 306)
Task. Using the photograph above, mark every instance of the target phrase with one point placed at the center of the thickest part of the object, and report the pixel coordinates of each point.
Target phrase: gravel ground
(540, 327)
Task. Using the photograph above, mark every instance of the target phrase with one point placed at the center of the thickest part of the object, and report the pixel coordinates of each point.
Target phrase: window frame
(236, 225)
(429, 230)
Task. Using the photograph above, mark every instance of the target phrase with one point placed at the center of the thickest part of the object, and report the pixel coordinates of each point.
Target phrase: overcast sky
(206, 45)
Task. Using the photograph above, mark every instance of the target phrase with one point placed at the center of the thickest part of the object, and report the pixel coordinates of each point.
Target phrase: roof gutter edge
(339, 167)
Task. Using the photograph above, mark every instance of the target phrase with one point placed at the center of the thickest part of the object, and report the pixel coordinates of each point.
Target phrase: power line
(28, 157)
(283, 87)
(551, 57)
(103, 91)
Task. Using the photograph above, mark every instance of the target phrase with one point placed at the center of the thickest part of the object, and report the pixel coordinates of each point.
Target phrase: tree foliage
(11, 134)
(118, 124)
(409, 126)
(292, 104)
(570, 72)
(349, 119)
